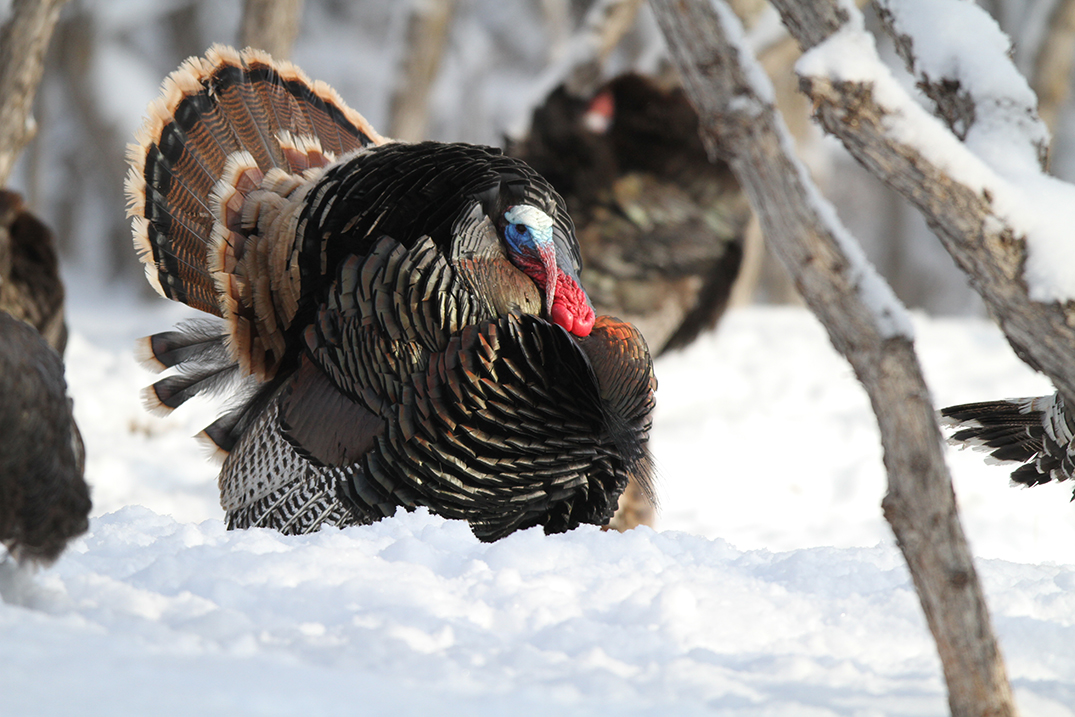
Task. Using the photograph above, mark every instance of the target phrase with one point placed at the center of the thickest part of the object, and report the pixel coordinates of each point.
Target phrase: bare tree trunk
(271, 25)
(1052, 66)
(23, 42)
(861, 317)
(428, 28)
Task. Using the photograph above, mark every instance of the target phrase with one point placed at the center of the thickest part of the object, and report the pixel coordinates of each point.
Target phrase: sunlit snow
(771, 587)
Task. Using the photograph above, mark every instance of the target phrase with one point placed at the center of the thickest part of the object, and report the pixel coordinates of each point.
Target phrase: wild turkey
(660, 225)
(30, 285)
(1036, 432)
(44, 499)
(402, 323)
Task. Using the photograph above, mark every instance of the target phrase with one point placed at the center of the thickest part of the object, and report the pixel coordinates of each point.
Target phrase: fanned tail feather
(248, 402)
(223, 126)
(196, 340)
(215, 188)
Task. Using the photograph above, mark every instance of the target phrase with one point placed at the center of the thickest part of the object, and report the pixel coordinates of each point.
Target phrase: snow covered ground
(771, 587)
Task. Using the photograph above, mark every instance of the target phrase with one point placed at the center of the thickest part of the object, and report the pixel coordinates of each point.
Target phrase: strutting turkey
(402, 323)
(1036, 432)
(30, 284)
(660, 225)
(44, 500)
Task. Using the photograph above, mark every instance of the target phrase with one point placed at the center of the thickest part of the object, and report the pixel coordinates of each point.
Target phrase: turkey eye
(516, 234)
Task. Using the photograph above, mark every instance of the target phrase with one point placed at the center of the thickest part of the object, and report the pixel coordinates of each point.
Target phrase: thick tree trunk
(24, 39)
(863, 322)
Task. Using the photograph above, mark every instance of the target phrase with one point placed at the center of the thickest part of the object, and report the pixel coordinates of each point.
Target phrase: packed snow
(771, 585)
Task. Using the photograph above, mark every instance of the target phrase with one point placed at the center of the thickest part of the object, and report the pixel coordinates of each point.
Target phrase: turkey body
(44, 500)
(401, 325)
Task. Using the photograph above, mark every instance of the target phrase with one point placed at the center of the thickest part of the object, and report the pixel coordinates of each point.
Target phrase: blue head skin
(528, 236)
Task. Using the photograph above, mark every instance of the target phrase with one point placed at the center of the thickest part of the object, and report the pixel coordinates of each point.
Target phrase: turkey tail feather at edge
(1036, 432)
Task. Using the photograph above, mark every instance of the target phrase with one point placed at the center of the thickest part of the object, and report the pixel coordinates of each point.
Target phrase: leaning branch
(864, 322)
(24, 39)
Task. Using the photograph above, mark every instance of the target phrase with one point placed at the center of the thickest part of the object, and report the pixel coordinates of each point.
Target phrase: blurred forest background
(461, 70)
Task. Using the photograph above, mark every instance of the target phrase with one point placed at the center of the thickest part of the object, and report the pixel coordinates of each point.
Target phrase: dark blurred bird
(660, 225)
(1035, 432)
(44, 500)
(30, 284)
(402, 323)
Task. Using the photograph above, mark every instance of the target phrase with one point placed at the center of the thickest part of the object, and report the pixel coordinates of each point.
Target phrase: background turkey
(30, 285)
(44, 500)
(660, 225)
(403, 323)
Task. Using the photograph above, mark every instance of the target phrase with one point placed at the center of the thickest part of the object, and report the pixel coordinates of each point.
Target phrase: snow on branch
(962, 61)
(1005, 222)
(739, 122)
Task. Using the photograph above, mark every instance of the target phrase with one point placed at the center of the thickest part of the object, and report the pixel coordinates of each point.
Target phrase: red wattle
(562, 317)
(570, 308)
(584, 323)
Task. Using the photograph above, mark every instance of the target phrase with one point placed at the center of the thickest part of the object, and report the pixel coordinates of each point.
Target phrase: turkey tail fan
(225, 126)
(1036, 432)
